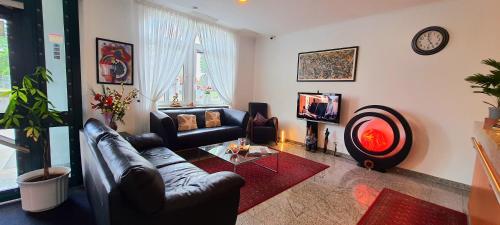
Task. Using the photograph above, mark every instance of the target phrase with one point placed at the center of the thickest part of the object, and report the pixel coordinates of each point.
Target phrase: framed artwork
(115, 62)
(328, 65)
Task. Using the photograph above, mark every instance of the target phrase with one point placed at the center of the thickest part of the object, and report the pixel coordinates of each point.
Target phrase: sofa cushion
(262, 134)
(180, 176)
(200, 114)
(188, 187)
(145, 141)
(186, 122)
(205, 136)
(212, 119)
(161, 157)
(138, 180)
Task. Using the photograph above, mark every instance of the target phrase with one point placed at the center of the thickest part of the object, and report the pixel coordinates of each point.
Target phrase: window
(8, 160)
(193, 84)
(8, 163)
(177, 88)
(204, 91)
(4, 65)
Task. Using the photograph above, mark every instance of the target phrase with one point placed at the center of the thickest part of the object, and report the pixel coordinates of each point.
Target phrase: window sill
(167, 107)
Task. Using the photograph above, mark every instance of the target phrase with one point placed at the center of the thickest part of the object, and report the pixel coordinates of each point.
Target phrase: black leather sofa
(150, 184)
(164, 123)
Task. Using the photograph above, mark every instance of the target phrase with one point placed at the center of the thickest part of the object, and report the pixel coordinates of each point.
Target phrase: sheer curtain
(219, 50)
(165, 38)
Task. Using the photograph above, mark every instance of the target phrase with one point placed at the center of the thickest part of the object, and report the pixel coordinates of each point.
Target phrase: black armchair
(265, 133)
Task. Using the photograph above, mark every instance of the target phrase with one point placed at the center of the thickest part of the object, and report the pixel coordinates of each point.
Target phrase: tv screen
(321, 107)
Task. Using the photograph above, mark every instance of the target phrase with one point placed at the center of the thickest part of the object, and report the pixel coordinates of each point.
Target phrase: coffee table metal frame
(220, 151)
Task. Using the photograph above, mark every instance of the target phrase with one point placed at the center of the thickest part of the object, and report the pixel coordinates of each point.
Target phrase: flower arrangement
(113, 104)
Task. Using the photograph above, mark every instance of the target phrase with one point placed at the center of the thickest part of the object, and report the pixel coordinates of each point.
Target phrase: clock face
(430, 40)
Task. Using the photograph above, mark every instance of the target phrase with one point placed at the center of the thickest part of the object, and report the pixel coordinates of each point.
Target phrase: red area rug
(262, 184)
(394, 208)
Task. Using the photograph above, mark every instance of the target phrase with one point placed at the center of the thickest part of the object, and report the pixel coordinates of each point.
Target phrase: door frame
(28, 27)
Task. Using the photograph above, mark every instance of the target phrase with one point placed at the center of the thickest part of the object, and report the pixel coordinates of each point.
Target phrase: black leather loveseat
(150, 184)
(164, 123)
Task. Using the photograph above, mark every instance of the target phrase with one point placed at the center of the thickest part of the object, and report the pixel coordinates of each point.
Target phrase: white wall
(245, 72)
(109, 19)
(429, 90)
(117, 20)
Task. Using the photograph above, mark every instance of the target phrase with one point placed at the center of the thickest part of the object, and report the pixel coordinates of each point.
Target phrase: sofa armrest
(272, 122)
(204, 190)
(249, 128)
(235, 117)
(145, 141)
(163, 125)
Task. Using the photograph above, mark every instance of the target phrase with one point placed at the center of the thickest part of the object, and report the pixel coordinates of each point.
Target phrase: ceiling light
(243, 1)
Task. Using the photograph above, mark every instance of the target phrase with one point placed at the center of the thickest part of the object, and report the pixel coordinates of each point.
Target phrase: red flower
(109, 100)
(97, 97)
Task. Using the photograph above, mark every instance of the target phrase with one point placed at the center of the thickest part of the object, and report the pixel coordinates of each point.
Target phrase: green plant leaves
(29, 103)
(489, 83)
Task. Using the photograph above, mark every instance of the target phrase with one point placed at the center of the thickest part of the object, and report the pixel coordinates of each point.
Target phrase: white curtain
(165, 38)
(219, 50)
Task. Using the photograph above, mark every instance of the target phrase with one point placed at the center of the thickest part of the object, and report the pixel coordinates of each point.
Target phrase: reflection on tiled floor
(341, 194)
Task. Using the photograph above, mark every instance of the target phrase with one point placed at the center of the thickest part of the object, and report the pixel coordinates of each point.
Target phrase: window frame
(188, 87)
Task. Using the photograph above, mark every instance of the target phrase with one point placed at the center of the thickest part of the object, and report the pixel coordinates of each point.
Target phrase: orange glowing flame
(374, 140)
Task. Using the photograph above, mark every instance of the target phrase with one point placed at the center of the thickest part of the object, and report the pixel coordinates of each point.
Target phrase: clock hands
(430, 40)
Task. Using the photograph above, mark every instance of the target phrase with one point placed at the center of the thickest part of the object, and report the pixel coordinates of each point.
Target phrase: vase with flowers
(113, 104)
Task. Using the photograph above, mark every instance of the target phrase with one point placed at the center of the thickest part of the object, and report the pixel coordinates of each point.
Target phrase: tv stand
(312, 136)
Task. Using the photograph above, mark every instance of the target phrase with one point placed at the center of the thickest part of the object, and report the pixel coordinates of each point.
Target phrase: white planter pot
(43, 195)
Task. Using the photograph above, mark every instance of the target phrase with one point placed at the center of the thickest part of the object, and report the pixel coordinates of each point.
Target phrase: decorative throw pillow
(212, 119)
(186, 122)
(259, 120)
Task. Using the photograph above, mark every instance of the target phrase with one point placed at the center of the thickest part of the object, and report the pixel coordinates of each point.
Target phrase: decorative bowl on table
(235, 149)
(244, 148)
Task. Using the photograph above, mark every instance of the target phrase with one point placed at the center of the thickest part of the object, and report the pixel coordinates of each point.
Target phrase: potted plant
(488, 84)
(113, 104)
(29, 109)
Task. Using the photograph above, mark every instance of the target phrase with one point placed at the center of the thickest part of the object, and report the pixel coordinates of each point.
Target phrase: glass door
(41, 33)
(8, 159)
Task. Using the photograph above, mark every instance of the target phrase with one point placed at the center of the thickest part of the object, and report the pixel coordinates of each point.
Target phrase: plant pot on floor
(37, 196)
(494, 113)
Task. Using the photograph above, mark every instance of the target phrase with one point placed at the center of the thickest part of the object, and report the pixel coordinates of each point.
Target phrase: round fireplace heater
(378, 137)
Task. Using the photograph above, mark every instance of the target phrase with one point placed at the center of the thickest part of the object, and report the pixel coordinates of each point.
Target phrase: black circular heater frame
(382, 160)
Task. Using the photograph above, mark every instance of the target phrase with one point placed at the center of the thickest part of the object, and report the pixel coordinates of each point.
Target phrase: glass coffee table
(254, 153)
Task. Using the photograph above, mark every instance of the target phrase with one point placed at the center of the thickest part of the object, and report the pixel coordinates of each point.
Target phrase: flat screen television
(320, 107)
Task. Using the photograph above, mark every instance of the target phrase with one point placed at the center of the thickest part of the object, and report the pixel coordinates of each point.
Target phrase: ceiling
(274, 17)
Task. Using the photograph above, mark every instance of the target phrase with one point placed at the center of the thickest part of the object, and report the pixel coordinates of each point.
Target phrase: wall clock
(430, 40)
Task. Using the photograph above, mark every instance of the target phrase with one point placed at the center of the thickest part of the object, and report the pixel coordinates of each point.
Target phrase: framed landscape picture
(115, 62)
(328, 65)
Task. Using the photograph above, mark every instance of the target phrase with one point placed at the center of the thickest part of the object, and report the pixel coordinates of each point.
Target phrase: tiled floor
(341, 194)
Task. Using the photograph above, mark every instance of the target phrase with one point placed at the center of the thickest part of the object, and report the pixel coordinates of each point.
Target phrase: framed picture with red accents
(115, 62)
